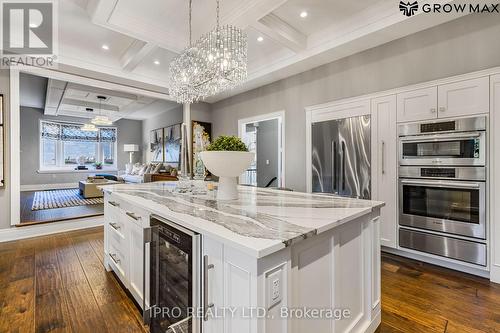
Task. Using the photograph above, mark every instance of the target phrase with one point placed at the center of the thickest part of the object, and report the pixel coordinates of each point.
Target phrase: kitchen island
(271, 261)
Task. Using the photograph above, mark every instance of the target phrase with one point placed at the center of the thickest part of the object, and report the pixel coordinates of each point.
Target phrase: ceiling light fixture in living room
(88, 127)
(101, 120)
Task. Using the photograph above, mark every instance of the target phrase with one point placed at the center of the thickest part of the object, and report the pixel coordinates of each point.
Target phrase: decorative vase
(228, 166)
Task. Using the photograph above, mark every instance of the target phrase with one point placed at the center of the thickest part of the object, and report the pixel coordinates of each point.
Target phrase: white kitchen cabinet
(385, 165)
(464, 98)
(136, 261)
(417, 105)
(124, 239)
(213, 258)
(495, 179)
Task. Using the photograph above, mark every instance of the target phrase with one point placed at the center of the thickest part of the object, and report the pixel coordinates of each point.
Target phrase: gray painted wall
(199, 111)
(129, 131)
(461, 46)
(267, 150)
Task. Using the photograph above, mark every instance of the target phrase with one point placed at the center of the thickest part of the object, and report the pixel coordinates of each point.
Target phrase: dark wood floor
(58, 284)
(29, 217)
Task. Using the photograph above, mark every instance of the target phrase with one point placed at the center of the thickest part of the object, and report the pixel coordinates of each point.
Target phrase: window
(63, 146)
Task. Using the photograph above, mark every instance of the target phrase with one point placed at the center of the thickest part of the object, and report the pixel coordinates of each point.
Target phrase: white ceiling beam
(251, 11)
(136, 53)
(281, 32)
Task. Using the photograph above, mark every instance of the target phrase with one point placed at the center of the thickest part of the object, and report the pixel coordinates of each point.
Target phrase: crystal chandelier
(224, 50)
(101, 120)
(215, 63)
(184, 70)
(89, 128)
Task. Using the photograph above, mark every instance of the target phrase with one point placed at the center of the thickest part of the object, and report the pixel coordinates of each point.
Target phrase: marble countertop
(260, 222)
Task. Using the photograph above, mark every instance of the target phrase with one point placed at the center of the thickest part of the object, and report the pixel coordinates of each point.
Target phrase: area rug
(61, 199)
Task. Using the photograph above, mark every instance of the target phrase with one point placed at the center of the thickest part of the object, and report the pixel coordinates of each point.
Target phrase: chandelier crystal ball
(184, 76)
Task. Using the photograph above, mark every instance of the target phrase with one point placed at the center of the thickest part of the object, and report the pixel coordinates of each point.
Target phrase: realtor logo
(27, 28)
(408, 8)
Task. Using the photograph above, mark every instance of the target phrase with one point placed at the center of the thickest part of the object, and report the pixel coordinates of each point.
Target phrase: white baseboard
(495, 273)
(43, 187)
(431, 259)
(15, 233)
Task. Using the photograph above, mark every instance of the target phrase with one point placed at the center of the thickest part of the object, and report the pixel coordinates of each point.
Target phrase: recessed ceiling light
(260, 39)
(303, 14)
(33, 25)
(105, 47)
(156, 62)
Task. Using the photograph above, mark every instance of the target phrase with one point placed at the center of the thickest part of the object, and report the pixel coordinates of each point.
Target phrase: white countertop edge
(254, 252)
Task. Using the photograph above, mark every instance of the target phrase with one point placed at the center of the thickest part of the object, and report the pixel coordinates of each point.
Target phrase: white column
(186, 119)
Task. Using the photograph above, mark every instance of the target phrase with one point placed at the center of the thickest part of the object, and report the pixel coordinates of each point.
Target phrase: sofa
(141, 173)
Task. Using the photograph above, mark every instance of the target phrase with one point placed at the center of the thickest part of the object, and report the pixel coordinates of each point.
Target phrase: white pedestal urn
(228, 166)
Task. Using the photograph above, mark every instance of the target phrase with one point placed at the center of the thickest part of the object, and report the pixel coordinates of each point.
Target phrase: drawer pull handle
(113, 257)
(132, 215)
(114, 204)
(115, 226)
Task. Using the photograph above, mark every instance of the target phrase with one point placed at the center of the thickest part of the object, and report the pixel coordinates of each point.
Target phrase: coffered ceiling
(61, 98)
(138, 39)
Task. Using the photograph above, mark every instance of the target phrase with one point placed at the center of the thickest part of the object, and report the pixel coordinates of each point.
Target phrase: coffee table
(90, 190)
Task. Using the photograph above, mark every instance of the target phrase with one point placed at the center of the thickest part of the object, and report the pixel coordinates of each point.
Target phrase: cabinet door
(214, 283)
(417, 105)
(385, 164)
(464, 98)
(136, 262)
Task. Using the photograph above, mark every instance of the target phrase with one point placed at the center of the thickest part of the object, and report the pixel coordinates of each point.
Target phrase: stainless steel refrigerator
(341, 157)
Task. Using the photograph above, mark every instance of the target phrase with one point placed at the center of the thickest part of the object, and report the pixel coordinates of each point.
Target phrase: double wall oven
(442, 188)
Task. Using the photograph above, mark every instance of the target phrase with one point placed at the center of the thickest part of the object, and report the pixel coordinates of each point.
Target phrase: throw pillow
(143, 170)
(128, 168)
(137, 167)
(158, 168)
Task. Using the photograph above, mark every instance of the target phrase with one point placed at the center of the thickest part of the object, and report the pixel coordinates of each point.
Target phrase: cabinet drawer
(118, 260)
(136, 215)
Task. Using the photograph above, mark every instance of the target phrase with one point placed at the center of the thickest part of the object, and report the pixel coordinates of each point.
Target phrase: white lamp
(130, 149)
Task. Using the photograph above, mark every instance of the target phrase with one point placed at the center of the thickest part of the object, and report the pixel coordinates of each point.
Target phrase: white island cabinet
(283, 261)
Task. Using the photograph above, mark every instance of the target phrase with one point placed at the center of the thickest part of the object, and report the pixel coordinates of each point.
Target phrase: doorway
(264, 135)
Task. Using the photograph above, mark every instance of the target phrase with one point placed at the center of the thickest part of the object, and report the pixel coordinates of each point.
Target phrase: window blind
(73, 132)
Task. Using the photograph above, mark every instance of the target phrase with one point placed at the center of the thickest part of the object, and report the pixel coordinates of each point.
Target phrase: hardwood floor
(29, 217)
(418, 297)
(58, 283)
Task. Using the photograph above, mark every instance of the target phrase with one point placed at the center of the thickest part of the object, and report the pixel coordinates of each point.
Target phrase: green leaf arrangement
(227, 143)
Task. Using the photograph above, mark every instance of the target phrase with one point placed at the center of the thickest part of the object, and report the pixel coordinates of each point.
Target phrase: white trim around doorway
(14, 179)
(280, 116)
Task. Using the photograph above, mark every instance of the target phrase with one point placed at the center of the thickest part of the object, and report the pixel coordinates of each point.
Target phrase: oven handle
(439, 183)
(440, 137)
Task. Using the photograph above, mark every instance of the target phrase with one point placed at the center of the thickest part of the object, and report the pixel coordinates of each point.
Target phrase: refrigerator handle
(334, 166)
(343, 166)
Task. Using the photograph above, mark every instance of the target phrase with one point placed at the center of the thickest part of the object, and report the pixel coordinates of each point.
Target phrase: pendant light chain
(190, 20)
(218, 14)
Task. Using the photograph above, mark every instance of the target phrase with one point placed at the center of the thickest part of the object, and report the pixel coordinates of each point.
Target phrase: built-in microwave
(444, 143)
